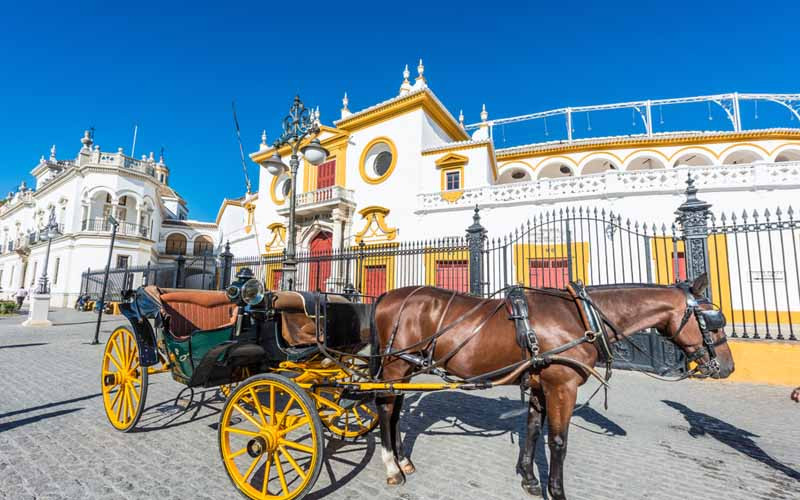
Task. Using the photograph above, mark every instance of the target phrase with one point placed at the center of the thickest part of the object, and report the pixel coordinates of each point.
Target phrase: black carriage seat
(298, 315)
(189, 311)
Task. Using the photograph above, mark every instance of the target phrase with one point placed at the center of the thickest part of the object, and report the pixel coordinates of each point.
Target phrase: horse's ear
(700, 284)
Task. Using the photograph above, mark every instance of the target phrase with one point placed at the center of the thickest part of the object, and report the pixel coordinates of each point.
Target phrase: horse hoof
(395, 480)
(533, 489)
(407, 467)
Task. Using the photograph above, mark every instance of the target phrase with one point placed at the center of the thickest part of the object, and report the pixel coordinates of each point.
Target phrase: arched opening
(176, 244)
(598, 165)
(693, 159)
(319, 271)
(788, 155)
(95, 214)
(742, 156)
(514, 174)
(203, 245)
(645, 163)
(555, 170)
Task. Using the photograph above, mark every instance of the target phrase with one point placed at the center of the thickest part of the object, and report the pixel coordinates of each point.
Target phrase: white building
(406, 169)
(84, 191)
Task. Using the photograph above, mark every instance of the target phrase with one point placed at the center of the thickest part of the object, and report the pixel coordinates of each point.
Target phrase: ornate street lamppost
(50, 231)
(301, 123)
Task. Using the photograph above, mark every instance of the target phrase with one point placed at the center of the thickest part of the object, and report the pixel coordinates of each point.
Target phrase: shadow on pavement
(701, 424)
(22, 345)
(49, 405)
(609, 427)
(337, 450)
(30, 420)
(167, 414)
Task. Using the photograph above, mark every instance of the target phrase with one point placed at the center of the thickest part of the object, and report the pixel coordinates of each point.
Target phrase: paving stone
(657, 440)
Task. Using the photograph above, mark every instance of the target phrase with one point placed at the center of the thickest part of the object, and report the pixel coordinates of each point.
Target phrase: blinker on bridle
(707, 321)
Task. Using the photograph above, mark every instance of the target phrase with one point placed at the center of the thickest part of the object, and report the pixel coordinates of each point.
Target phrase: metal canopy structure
(730, 103)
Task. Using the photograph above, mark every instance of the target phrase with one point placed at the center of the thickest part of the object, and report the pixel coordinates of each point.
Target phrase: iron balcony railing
(101, 225)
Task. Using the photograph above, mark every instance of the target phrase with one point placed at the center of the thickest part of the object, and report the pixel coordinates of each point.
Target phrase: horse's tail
(374, 359)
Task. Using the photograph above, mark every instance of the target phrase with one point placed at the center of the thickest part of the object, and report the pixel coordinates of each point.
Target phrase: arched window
(203, 246)
(176, 244)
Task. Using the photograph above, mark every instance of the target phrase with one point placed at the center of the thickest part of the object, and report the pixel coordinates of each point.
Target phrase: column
(336, 280)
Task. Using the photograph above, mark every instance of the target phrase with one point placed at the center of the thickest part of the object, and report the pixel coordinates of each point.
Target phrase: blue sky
(173, 69)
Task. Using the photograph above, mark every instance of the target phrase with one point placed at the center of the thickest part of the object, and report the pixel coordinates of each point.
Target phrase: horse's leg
(386, 406)
(536, 414)
(403, 461)
(560, 401)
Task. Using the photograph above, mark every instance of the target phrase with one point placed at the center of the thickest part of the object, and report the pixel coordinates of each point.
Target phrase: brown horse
(407, 316)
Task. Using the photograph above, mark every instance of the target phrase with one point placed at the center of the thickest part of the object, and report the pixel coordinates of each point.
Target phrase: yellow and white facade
(407, 169)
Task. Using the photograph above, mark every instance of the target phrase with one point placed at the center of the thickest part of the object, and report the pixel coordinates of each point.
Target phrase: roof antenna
(546, 133)
(241, 149)
(756, 102)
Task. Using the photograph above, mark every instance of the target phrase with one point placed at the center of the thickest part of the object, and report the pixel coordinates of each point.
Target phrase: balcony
(320, 201)
(101, 225)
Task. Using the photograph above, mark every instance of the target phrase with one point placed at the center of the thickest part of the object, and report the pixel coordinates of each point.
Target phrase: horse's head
(698, 329)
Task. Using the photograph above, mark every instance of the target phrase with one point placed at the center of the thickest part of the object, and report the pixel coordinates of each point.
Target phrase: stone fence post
(476, 236)
(692, 219)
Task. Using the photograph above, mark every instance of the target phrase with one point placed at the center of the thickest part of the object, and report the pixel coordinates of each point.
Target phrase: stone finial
(144, 157)
(161, 156)
(484, 114)
(22, 187)
(420, 71)
(120, 150)
(86, 141)
(53, 152)
(263, 146)
(345, 110)
(461, 118)
(405, 87)
(152, 157)
(42, 160)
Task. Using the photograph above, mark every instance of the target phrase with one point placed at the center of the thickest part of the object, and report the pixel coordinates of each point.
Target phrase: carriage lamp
(252, 292)
(300, 124)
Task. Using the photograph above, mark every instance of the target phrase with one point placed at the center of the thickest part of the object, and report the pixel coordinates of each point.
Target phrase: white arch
(788, 153)
(742, 155)
(89, 193)
(645, 162)
(517, 173)
(598, 164)
(693, 158)
(130, 194)
(555, 170)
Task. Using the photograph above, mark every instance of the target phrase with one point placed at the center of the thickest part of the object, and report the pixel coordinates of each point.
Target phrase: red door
(374, 281)
(681, 274)
(320, 263)
(326, 177)
(549, 273)
(276, 279)
(453, 275)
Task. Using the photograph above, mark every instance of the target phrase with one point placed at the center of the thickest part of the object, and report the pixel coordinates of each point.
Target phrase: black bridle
(708, 320)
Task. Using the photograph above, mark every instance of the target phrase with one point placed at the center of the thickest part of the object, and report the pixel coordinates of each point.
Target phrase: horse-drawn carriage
(293, 363)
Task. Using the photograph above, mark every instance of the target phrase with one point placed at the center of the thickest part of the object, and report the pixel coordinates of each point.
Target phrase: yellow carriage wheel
(271, 439)
(346, 418)
(123, 381)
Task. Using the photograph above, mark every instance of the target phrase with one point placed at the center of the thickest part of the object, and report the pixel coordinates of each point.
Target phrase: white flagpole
(133, 148)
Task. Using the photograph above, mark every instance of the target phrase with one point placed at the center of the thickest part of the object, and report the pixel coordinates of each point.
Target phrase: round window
(517, 174)
(383, 161)
(378, 160)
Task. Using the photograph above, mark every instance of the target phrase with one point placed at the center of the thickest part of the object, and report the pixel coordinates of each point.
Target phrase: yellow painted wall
(766, 362)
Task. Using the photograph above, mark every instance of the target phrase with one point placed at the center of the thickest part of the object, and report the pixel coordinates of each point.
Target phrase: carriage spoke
(241, 431)
(133, 391)
(272, 404)
(118, 411)
(300, 423)
(257, 404)
(296, 446)
(116, 398)
(247, 416)
(109, 356)
(267, 469)
(252, 466)
(300, 471)
(128, 405)
(279, 466)
(286, 409)
(237, 453)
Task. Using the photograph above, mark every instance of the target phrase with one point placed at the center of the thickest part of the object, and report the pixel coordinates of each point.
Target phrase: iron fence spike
(778, 212)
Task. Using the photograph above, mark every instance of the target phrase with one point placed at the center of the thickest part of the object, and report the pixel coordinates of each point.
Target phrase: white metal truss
(728, 102)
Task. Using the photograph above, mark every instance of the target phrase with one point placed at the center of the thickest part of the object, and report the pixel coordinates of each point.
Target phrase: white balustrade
(762, 175)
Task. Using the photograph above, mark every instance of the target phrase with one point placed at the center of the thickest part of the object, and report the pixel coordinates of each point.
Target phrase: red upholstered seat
(191, 310)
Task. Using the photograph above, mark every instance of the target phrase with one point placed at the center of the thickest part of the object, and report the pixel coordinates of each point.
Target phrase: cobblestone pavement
(657, 440)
